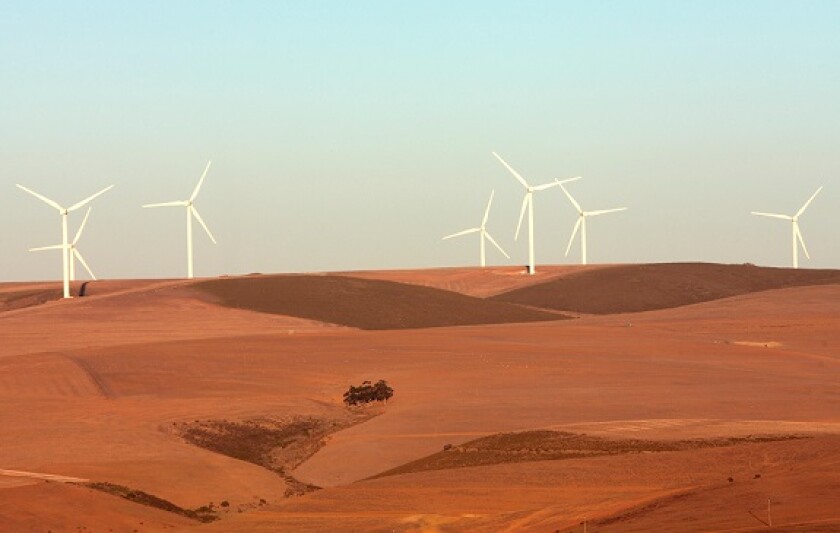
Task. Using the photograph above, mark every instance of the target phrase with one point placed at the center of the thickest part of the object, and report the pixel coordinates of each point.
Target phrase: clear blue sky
(350, 135)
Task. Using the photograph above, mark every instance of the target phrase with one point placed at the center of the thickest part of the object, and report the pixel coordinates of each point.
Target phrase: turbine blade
(568, 180)
(804, 207)
(772, 215)
(491, 239)
(574, 233)
(194, 211)
(89, 198)
(41, 197)
(204, 175)
(42, 248)
(521, 215)
(515, 173)
(569, 196)
(82, 227)
(180, 203)
(546, 186)
(465, 232)
(801, 240)
(604, 211)
(83, 262)
(487, 211)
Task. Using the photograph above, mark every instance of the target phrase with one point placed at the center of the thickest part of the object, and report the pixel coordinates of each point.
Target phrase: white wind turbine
(581, 223)
(483, 233)
(797, 234)
(64, 211)
(191, 212)
(528, 203)
(71, 250)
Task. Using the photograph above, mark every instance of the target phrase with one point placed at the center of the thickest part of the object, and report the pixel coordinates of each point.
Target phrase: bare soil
(26, 297)
(202, 514)
(22, 295)
(91, 388)
(478, 282)
(543, 445)
(634, 288)
(278, 445)
(365, 303)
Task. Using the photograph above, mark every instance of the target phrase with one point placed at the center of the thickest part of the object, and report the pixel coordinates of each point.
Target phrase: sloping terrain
(547, 445)
(364, 303)
(157, 312)
(60, 507)
(21, 295)
(102, 387)
(681, 491)
(478, 282)
(634, 288)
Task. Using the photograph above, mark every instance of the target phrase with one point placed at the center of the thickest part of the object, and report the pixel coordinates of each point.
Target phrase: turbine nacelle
(796, 232)
(72, 250)
(64, 212)
(192, 213)
(581, 221)
(482, 231)
(528, 204)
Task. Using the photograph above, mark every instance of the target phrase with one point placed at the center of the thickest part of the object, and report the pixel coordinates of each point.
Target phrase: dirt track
(45, 477)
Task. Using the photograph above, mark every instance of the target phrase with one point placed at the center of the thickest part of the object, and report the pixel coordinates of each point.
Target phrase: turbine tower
(482, 230)
(64, 211)
(581, 223)
(191, 212)
(797, 234)
(528, 203)
(72, 251)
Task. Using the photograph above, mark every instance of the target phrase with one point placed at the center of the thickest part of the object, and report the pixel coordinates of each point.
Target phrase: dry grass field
(674, 397)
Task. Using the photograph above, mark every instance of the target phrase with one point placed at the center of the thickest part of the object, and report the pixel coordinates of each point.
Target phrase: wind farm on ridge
(579, 311)
(403, 309)
(70, 253)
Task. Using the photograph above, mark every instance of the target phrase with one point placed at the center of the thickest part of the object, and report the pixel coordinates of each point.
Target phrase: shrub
(367, 392)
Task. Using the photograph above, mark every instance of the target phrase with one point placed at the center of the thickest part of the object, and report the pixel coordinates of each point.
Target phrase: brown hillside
(364, 304)
(548, 445)
(99, 387)
(478, 282)
(633, 288)
(20, 295)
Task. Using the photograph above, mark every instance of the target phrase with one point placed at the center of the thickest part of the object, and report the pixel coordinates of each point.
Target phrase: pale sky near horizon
(354, 135)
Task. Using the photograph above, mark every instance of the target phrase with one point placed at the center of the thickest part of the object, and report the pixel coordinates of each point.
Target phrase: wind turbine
(71, 250)
(528, 203)
(482, 230)
(797, 234)
(581, 223)
(64, 211)
(191, 212)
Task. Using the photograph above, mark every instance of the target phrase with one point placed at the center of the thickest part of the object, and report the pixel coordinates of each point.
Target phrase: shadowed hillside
(365, 304)
(546, 445)
(20, 295)
(633, 288)
(14, 297)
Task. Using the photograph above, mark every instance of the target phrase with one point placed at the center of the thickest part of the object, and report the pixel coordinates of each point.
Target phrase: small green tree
(367, 392)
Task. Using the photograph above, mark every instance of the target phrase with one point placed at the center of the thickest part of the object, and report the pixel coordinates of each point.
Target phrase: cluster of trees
(368, 392)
